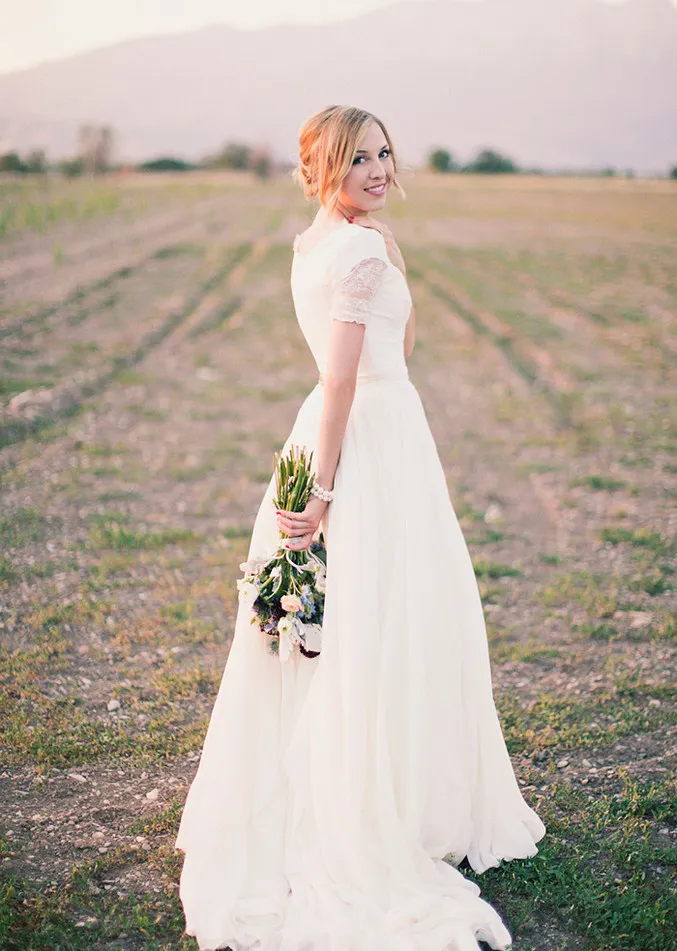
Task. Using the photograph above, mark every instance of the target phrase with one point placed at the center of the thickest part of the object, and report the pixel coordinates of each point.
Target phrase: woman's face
(372, 167)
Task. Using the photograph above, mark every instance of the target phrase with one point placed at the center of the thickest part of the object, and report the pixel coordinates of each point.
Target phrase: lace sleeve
(355, 291)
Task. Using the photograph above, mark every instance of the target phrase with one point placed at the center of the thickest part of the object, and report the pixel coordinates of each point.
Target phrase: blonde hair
(328, 141)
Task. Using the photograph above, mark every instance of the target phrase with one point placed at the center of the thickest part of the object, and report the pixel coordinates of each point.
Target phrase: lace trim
(356, 290)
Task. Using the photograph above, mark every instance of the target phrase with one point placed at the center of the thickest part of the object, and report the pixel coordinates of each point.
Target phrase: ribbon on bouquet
(257, 561)
(311, 557)
(304, 566)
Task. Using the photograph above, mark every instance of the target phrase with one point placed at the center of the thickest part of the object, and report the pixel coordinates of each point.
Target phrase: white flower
(321, 581)
(253, 566)
(248, 591)
(289, 636)
(285, 625)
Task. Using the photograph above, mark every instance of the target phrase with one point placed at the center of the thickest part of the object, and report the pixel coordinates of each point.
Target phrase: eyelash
(387, 151)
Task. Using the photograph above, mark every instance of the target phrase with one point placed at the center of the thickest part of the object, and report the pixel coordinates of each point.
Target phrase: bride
(337, 794)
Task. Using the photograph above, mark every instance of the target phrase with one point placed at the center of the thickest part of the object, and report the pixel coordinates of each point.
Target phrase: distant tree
(440, 160)
(104, 149)
(232, 155)
(95, 147)
(12, 162)
(673, 172)
(608, 172)
(86, 147)
(260, 162)
(71, 168)
(491, 162)
(36, 162)
(166, 164)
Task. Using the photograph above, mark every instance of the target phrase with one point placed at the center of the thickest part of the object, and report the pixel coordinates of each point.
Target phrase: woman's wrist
(326, 495)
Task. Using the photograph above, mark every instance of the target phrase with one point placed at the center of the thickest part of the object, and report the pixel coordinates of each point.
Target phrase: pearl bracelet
(325, 494)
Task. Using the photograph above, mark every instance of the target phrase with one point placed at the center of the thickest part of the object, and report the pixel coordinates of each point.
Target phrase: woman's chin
(373, 203)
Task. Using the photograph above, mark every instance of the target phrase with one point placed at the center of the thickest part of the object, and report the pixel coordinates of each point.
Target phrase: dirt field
(152, 365)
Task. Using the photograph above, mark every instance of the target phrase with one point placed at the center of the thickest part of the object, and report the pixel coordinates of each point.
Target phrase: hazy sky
(32, 31)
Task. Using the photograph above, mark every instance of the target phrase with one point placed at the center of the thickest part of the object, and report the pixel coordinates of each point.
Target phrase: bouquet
(286, 590)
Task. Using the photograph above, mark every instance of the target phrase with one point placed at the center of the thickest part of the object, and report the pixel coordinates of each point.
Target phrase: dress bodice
(347, 275)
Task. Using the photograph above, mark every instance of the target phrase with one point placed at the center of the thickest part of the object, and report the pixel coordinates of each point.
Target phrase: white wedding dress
(335, 795)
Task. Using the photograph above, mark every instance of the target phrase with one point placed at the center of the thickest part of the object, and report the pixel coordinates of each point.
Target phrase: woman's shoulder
(363, 236)
(356, 243)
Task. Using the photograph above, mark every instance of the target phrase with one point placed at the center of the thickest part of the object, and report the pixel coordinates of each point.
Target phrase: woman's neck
(341, 212)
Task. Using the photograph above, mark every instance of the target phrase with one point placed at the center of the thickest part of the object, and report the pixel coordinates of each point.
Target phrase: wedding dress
(336, 795)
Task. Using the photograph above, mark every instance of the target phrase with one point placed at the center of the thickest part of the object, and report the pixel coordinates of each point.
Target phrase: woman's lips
(376, 189)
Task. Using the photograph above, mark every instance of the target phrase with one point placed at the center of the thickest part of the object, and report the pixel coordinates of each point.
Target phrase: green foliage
(641, 537)
(239, 155)
(36, 162)
(261, 165)
(491, 162)
(71, 168)
(166, 164)
(109, 531)
(440, 160)
(232, 155)
(488, 569)
(12, 162)
(22, 526)
(602, 863)
(83, 914)
(602, 483)
(294, 479)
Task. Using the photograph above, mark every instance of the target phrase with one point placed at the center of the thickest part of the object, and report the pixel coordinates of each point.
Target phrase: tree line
(94, 156)
(492, 162)
(486, 162)
(95, 148)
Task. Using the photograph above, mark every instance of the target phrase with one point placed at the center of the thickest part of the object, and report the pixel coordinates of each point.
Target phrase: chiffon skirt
(335, 795)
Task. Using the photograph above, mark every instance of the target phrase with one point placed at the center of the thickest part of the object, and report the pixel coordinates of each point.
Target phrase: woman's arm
(340, 380)
(355, 282)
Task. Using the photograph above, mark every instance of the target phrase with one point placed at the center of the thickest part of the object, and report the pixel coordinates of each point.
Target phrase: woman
(337, 794)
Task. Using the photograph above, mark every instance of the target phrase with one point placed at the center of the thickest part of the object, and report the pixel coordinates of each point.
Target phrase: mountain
(573, 83)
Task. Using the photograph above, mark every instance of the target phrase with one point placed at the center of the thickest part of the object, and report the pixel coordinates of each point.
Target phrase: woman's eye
(384, 152)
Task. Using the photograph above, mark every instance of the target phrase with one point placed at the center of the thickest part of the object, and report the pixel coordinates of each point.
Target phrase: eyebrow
(380, 150)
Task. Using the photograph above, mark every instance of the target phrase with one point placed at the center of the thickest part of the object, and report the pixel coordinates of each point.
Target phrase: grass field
(152, 365)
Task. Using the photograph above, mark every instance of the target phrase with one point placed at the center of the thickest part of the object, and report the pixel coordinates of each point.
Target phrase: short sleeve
(356, 274)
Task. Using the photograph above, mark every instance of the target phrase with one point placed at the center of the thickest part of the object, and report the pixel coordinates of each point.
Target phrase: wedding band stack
(325, 494)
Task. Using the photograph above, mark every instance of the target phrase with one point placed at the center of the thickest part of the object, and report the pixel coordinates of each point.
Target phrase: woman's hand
(301, 525)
